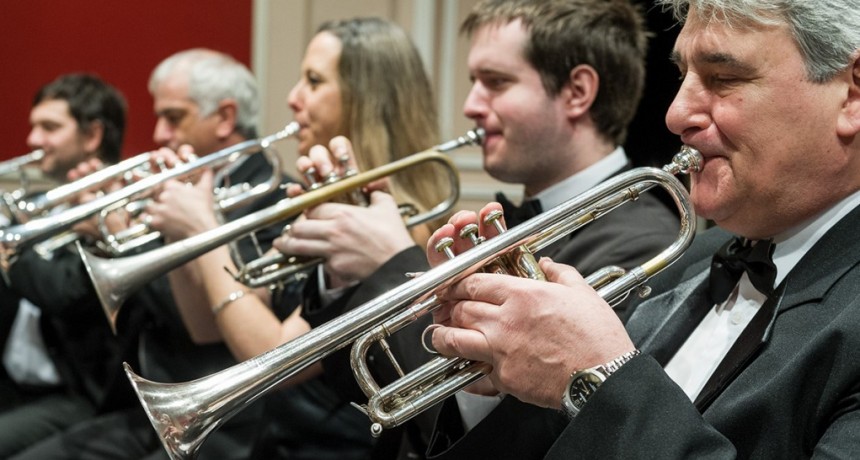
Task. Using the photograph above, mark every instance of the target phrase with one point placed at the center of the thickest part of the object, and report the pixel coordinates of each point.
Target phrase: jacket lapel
(824, 264)
(677, 312)
(661, 325)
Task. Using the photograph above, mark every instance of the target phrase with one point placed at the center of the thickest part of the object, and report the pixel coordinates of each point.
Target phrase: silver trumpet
(183, 414)
(15, 165)
(18, 165)
(14, 237)
(117, 278)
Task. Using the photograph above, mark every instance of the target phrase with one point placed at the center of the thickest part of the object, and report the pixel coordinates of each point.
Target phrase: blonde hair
(388, 105)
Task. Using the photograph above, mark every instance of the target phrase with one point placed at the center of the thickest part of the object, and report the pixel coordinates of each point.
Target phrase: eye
(495, 83)
(50, 127)
(719, 80)
(314, 80)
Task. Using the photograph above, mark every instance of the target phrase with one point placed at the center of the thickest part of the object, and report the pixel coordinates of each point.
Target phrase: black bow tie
(515, 215)
(737, 256)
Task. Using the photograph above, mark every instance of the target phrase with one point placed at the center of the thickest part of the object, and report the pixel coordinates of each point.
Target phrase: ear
(848, 124)
(226, 113)
(580, 91)
(93, 137)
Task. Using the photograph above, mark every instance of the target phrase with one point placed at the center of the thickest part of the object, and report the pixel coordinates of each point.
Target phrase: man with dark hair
(74, 118)
(56, 373)
(555, 85)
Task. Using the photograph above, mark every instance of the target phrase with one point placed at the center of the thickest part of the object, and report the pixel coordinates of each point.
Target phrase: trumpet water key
(183, 414)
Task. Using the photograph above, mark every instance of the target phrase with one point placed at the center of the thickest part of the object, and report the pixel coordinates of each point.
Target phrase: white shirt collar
(584, 180)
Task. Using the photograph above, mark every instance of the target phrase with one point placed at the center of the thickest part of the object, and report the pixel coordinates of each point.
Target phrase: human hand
(353, 240)
(324, 165)
(533, 333)
(183, 209)
(114, 221)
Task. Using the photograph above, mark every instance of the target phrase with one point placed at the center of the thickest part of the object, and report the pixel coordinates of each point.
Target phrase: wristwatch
(585, 382)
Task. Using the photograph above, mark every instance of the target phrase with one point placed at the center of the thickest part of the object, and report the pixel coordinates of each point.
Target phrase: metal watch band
(612, 366)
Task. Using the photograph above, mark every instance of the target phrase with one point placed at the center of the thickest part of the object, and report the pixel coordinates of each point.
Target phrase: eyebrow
(723, 59)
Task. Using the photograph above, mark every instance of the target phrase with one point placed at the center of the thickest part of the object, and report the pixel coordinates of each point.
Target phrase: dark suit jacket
(797, 397)
(76, 332)
(627, 237)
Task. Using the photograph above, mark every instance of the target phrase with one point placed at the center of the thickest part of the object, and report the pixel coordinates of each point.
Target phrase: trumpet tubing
(115, 279)
(184, 413)
(274, 269)
(12, 238)
(17, 165)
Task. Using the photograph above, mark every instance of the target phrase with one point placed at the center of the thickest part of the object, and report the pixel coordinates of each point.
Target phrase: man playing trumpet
(747, 347)
(54, 372)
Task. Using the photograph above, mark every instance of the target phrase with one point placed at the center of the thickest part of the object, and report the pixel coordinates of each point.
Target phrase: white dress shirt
(699, 356)
(25, 355)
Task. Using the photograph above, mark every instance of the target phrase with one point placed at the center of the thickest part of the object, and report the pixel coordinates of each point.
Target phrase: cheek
(714, 186)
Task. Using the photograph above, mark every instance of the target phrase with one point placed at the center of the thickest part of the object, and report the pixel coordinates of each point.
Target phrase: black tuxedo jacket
(798, 396)
(627, 237)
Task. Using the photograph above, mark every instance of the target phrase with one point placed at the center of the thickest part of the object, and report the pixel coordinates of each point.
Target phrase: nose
(36, 138)
(689, 112)
(476, 105)
(293, 99)
(162, 134)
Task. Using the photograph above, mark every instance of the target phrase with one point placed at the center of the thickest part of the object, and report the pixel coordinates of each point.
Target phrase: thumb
(560, 273)
(378, 198)
(206, 180)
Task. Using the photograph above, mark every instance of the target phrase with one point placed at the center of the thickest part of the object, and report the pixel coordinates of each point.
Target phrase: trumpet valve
(494, 218)
(444, 246)
(470, 232)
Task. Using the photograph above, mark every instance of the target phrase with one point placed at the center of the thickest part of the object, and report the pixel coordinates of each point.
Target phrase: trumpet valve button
(494, 218)
(444, 246)
(310, 175)
(470, 232)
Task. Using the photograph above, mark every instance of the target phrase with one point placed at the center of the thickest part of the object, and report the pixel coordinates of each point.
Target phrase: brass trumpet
(115, 279)
(183, 414)
(12, 238)
(275, 268)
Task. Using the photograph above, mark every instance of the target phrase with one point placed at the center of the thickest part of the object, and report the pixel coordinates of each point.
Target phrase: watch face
(582, 385)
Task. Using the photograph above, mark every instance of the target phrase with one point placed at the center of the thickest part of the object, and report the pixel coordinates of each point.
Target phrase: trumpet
(275, 268)
(17, 165)
(14, 165)
(115, 279)
(183, 414)
(14, 237)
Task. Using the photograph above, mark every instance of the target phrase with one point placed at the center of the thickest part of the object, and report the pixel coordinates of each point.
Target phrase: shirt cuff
(474, 407)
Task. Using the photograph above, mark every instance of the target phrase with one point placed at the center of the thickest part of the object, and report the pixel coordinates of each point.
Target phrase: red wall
(121, 41)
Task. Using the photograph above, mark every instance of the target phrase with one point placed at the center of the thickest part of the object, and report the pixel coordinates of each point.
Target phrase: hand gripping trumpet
(183, 414)
(115, 279)
(273, 269)
(16, 236)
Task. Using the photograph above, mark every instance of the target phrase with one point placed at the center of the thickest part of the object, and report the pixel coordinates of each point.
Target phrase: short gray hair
(826, 31)
(212, 78)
